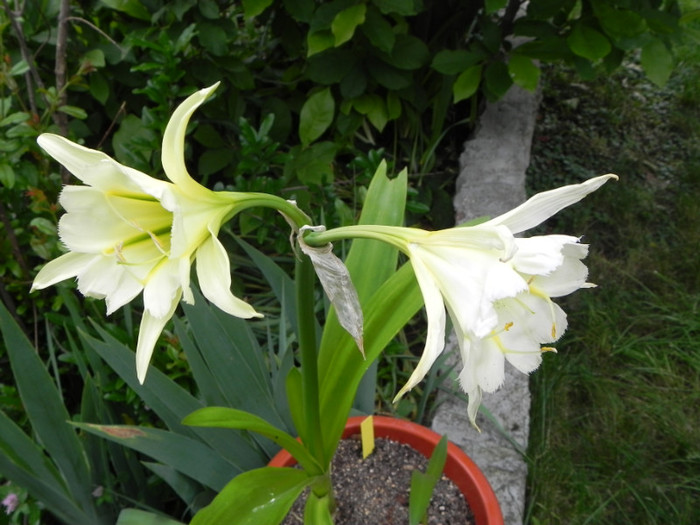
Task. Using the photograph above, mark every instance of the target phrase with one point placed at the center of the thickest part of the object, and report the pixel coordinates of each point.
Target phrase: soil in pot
(375, 490)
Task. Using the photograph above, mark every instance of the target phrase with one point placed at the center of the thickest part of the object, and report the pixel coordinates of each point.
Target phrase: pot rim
(459, 467)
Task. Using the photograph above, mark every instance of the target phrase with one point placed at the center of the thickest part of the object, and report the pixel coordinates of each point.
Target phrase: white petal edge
(64, 267)
(542, 206)
(435, 338)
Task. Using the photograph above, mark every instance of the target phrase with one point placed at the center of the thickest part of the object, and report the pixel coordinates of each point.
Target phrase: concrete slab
(492, 181)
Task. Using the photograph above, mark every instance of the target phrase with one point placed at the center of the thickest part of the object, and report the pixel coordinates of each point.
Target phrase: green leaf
(587, 42)
(94, 58)
(491, 6)
(259, 496)
(388, 76)
(73, 111)
(423, 483)
(344, 24)
(497, 80)
(170, 401)
(223, 417)
(20, 68)
(7, 176)
(189, 456)
(318, 510)
(409, 53)
(399, 7)
(657, 62)
(133, 8)
(467, 83)
(314, 165)
(47, 414)
(141, 517)
(374, 108)
(318, 41)
(523, 72)
(453, 62)
(316, 116)
(255, 7)
(378, 31)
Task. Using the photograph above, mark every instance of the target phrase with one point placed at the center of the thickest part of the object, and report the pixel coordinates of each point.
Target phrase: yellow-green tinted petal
(97, 169)
(173, 154)
(214, 276)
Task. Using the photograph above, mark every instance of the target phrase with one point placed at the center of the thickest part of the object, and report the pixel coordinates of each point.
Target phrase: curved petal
(214, 276)
(435, 338)
(173, 154)
(67, 265)
(97, 169)
(542, 206)
(149, 331)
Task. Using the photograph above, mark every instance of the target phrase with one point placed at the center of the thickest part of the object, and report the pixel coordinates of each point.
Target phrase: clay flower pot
(458, 467)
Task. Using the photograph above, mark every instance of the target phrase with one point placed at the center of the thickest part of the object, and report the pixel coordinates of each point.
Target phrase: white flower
(496, 288)
(128, 233)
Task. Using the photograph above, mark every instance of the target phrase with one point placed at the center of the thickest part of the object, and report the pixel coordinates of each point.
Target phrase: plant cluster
(313, 95)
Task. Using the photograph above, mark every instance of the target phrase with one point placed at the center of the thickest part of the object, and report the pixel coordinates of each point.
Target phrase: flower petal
(542, 206)
(67, 265)
(161, 287)
(435, 311)
(97, 169)
(173, 154)
(149, 331)
(214, 276)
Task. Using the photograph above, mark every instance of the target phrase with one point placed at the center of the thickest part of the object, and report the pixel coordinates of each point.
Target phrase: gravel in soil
(375, 490)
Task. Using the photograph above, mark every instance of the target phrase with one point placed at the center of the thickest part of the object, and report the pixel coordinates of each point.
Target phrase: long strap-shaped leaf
(48, 415)
(189, 456)
(224, 417)
(257, 497)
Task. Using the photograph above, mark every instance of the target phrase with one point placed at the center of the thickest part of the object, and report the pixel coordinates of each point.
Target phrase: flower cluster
(128, 233)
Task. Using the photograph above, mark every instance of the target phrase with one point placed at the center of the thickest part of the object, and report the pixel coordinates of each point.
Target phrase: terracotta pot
(458, 467)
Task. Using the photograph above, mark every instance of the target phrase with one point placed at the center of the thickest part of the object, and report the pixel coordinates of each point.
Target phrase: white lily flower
(127, 232)
(496, 288)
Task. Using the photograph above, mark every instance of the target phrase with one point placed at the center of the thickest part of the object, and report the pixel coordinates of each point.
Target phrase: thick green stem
(305, 277)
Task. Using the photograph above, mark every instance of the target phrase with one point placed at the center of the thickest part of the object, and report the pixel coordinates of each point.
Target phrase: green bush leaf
(344, 24)
(409, 53)
(316, 116)
(255, 497)
(399, 7)
(7, 176)
(130, 7)
(657, 62)
(523, 72)
(497, 80)
(378, 30)
(588, 42)
(467, 83)
(255, 7)
(73, 111)
(453, 62)
(314, 165)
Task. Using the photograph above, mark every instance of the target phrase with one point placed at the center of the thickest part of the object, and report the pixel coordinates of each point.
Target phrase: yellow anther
(508, 326)
(548, 349)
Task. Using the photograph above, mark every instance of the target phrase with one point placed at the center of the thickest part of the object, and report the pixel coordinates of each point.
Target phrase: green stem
(264, 200)
(305, 278)
(394, 235)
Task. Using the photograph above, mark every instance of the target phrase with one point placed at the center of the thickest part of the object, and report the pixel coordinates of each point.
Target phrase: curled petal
(173, 155)
(213, 274)
(64, 267)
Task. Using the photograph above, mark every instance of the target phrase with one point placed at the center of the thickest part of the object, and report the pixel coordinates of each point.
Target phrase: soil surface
(374, 491)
